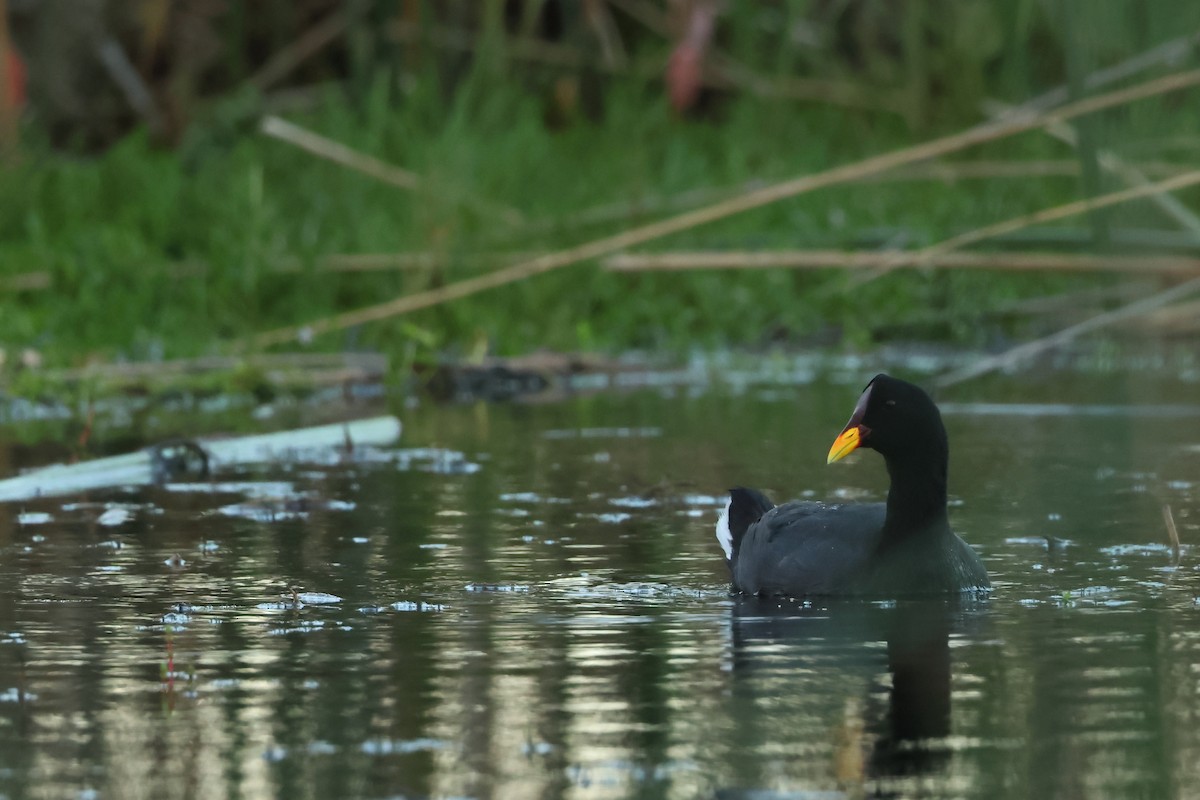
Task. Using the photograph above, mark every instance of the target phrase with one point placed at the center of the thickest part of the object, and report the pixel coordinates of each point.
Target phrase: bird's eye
(889, 402)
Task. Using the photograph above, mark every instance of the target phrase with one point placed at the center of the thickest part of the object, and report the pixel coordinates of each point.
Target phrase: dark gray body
(806, 548)
(902, 548)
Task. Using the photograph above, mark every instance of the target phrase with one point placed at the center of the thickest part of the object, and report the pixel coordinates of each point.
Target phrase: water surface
(526, 600)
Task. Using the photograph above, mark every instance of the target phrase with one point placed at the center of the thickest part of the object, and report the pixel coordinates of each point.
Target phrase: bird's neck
(917, 498)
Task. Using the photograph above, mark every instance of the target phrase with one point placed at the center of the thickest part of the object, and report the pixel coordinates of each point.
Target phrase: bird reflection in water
(883, 740)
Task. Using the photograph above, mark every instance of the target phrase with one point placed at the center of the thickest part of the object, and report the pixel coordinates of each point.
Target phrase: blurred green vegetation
(162, 251)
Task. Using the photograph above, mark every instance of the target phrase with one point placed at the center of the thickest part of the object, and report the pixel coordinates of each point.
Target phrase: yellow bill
(844, 445)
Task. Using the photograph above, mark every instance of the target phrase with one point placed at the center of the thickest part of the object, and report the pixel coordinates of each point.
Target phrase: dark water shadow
(895, 662)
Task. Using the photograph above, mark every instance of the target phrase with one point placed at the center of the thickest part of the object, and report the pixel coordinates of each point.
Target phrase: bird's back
(807, 548)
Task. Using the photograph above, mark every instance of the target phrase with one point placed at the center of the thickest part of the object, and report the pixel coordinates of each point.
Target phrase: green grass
(113, 231)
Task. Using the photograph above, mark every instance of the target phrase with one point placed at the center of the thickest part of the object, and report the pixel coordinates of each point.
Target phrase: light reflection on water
(531, 604)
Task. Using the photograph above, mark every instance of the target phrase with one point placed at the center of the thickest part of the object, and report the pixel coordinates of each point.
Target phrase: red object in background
(683, 76)
(685, 71)
(15, 69)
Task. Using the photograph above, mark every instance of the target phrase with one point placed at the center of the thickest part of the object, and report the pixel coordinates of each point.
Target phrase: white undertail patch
(724, 537)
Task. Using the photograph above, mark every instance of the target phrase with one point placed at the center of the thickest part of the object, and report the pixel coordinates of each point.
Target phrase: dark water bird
(901, 547)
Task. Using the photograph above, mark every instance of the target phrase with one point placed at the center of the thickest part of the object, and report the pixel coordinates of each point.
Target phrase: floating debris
(384, 747)
(513, 512)
(603, 433)
(262, 512)
(1152, 549)
(317, 598)
(531, 497)
(613, 518)
(304, 626)
(420, 605)
(1073, 410)
(703, 500)
(276, 605)
(118, 515)
(266, 489)
(632, 502)
(520, 497)
(434, 459)
(321, 444)
(496, 587)
(296, 505)
(315, 748)
(173, 460)
(1044, 542)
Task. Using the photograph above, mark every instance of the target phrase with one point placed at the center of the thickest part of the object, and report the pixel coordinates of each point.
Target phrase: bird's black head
(895, 418)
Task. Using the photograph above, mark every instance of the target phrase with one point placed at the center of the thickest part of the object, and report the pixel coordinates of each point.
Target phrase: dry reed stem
(310, 42)
(1036, 218)
(26, 282)
(1172, 531)
(755, 199)
(1173, 52)
(379, 262)
(649, 15)
(873, 259)
(946, 172)
(415, 260)
(1164, 53)
(1111, 162)
(600, 20)
(688, 260)
(992, 169)
(340, 154)
(337, 262)
(1181, 319)
(371, 363)
(704, 260)
(121, 70)
(1067, 302)
(652, 19)
(1131, 175)
(732, 74)
(1024, 351)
